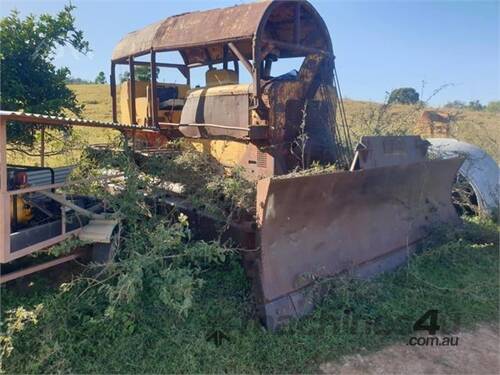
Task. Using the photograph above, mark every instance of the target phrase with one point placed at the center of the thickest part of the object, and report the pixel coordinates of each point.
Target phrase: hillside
(480, 128)
(97, 102)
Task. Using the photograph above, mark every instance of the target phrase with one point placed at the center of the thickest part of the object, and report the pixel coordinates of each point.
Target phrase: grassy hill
(97, 102)
(480, 128)
(363, 118)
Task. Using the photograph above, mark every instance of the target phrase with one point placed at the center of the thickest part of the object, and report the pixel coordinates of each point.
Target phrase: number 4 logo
(432, 327)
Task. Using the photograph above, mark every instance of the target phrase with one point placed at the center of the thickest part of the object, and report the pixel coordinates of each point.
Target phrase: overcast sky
(380, 45)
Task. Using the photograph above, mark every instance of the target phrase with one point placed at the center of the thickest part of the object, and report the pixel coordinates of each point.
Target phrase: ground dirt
(477, 352)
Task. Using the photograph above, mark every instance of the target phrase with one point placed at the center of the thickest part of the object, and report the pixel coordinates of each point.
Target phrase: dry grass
(480, 128)
(97, 101)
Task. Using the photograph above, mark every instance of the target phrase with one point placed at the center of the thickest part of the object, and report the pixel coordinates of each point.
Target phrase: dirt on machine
(364, 214)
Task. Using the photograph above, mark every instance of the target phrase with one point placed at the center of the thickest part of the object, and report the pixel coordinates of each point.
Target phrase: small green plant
(299, 145)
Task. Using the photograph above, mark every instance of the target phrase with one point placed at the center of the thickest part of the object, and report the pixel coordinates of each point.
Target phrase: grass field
(72, 330)
(480, 128)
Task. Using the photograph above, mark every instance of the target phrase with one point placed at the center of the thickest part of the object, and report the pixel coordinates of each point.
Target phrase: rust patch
(325, 224)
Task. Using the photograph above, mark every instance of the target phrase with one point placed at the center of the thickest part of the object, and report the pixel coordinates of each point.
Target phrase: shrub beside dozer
(363, 214)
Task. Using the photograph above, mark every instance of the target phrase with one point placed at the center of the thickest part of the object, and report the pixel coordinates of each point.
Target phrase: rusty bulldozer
(364, 217)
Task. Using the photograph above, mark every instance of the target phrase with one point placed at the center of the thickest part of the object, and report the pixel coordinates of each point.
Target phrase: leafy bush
(225, 194)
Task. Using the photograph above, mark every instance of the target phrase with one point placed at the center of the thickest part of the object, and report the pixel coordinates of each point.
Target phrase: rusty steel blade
(320, 225)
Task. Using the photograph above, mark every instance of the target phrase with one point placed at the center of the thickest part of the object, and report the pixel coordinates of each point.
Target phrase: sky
(379, 45)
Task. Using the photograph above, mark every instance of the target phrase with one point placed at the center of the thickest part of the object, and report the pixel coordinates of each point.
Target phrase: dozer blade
(364, 221)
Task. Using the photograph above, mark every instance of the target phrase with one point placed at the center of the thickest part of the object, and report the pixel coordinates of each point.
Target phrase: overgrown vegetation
(155, 249)
(65, 331)
(152, 309)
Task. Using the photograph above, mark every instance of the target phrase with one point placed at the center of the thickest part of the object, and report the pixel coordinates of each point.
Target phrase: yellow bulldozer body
(367, 216)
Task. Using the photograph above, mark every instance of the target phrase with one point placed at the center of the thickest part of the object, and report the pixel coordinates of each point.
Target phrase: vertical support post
(153, 104)
(63, 217)
(224, 57)
(267, 67)
(256, 70)
(4, 196)
(112, 83)
(42, 147)
(133, 116)
(237, 69)
(296, 25)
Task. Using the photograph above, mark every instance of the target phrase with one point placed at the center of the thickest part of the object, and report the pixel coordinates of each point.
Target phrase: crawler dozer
(365, 217)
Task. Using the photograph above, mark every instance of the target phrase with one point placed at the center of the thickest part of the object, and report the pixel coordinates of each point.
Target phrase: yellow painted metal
(141, 102)
(142, 94)
(236, 89)
(228, 153)
(24, 212)
(218, 77)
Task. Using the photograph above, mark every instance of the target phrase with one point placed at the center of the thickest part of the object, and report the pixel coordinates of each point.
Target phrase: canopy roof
(200, 36)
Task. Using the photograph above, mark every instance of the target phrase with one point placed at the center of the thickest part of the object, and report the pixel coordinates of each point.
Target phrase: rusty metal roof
(38, 119)
(199, 36)
(194, 29)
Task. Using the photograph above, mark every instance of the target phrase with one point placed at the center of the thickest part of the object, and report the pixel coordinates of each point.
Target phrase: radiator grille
(261, 159)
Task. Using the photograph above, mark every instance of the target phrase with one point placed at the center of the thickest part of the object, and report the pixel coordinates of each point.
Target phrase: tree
(475, 105)
(30, 81)
(404, 95)
(493, 106)
(77, 81)
(142, 73)
(100, 79)
(456, 104)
